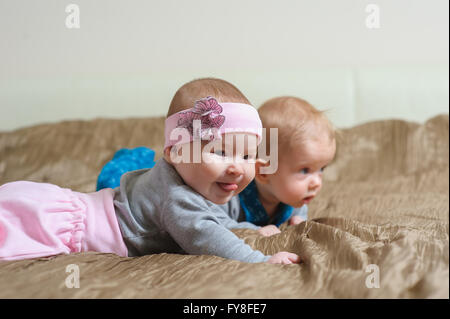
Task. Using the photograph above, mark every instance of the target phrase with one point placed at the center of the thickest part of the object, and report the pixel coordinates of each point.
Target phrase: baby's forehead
(234, 140)
(309, 151)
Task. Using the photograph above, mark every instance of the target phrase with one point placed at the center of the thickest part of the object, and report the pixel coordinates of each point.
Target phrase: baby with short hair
(175, 207)
(306, 145)
(269, 200)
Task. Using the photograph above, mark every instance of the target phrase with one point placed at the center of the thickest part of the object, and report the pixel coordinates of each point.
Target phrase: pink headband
(213, 119)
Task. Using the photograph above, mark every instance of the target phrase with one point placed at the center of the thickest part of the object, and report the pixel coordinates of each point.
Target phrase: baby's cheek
(250, 171)
(296, 189)
(214, 168)
(249, 175)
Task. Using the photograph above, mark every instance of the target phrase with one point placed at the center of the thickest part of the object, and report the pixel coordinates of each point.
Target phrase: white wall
(129, 57)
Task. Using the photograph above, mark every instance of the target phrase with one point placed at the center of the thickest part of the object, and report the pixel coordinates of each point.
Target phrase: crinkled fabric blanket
(378, 229)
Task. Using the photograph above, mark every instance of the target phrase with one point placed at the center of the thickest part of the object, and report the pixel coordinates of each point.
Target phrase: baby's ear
(262, 178)
(167, 154)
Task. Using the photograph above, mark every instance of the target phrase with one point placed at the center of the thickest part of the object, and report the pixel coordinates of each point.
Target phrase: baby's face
(226, 167)
(299, 176)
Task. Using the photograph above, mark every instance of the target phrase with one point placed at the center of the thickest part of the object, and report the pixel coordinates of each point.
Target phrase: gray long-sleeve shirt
(157, 212)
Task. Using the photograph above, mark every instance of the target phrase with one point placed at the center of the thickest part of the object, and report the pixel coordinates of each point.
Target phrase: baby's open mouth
(228, 187)
(306, 200)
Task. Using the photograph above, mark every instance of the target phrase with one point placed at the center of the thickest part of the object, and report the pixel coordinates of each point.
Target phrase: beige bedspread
(382, 218)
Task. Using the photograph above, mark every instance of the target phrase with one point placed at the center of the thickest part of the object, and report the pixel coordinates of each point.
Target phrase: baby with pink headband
(178, 206)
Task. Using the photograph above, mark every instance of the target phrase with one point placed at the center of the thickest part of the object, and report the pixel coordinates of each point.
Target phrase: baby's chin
(297, 204)
(220, 201)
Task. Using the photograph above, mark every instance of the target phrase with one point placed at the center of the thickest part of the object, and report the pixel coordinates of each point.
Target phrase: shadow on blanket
(382, 219)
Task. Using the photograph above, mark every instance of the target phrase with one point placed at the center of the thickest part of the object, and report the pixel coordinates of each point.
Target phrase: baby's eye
(250, 157)
(304, 171)
(322, 169)
(220, 153)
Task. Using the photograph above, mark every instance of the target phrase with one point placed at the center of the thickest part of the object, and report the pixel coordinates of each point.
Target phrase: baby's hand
(295, 220)
(269, 230)
(284, 258)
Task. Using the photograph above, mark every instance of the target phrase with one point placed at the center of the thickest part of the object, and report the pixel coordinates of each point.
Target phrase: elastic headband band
(208, 119)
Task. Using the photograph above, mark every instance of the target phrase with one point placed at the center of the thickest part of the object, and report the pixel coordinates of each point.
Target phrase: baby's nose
(235, 169)
(316, 182)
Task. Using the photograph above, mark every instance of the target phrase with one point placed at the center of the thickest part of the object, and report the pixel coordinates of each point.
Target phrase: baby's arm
(284, 258)
(231, 224)
(231, 214)
(197, 230)
(295, 220)
(226, 220)
(269, 230)
(299, 215)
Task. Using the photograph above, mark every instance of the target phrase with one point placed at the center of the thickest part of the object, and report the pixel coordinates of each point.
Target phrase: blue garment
(256, 213)
(124, 160)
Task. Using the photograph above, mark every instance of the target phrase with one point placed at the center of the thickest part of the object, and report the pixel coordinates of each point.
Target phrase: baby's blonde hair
(192, 91)
(296, 119)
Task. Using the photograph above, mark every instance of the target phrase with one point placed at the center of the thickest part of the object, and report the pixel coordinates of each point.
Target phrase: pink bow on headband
(208, 111)
(211, 120)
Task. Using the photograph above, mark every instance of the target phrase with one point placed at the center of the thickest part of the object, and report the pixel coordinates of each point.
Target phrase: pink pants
(39, 219)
